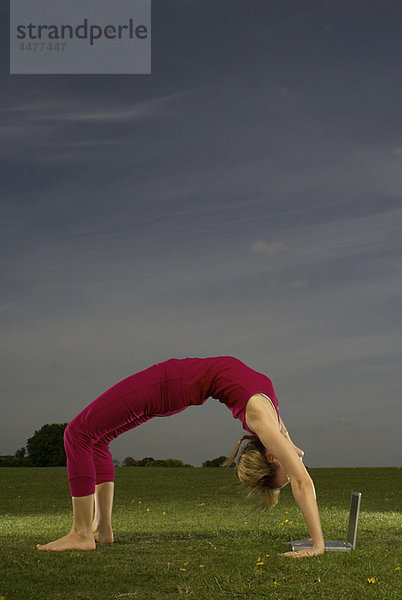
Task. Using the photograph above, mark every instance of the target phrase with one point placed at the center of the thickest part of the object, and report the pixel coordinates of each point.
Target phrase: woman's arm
(305, 496)
(302, 485)
(285, 433)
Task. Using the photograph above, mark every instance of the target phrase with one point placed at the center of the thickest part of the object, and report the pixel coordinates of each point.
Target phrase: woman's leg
(102, 523)
(86, 531)
(104, 490)
(89, 462)
(81, 536)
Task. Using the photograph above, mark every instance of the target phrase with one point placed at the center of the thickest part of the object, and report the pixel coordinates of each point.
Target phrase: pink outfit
(159, 391)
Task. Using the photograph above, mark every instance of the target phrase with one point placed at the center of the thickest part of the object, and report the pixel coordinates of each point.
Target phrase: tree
(18, 460)
(215, 462)
(20, 454)
(167, 462)
(46, 447)
(129, 461)
(144, 461)
(8, 460)
(21, 458)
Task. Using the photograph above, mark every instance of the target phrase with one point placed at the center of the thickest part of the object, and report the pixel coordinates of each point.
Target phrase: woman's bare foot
(103, 535)
(71, 541)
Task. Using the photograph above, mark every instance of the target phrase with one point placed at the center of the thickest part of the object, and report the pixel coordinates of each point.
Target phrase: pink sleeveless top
(191, 381)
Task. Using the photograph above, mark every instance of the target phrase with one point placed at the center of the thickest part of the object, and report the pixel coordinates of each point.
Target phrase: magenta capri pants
(87, 438)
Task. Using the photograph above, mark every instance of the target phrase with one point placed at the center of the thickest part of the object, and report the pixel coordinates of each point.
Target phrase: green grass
(191, 522)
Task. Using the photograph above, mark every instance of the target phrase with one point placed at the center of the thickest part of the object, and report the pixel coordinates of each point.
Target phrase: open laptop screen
(353, 515)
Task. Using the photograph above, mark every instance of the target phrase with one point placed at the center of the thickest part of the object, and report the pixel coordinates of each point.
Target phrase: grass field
(178, 534)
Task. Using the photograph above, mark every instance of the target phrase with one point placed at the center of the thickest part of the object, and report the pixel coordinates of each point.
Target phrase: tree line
(46, 449)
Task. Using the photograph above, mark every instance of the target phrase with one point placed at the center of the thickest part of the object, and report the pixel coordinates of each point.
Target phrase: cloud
(270, 248)
(121, 112)
(103, 110)
(56, 124)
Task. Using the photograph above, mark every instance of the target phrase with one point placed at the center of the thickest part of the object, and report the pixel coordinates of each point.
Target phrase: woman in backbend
(267, 463)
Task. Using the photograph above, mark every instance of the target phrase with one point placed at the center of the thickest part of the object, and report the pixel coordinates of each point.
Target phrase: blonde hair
(255, 472)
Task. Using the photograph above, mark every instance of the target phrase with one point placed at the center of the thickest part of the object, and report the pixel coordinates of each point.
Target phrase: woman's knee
(75, 435)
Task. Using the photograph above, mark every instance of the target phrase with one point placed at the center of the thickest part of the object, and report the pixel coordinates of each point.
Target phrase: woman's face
(281, 478)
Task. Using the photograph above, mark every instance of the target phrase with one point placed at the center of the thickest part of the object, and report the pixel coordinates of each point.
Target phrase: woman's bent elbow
(303, 483)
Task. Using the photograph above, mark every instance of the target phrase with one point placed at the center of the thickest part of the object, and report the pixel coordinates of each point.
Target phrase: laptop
(350, 542)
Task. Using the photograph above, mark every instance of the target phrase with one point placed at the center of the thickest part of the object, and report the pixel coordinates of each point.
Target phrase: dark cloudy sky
(244, 199)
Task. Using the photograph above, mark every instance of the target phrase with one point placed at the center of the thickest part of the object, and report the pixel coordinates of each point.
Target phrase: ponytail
(232, 457)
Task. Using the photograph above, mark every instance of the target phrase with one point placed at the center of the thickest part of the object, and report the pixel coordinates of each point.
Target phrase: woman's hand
(306, 552)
